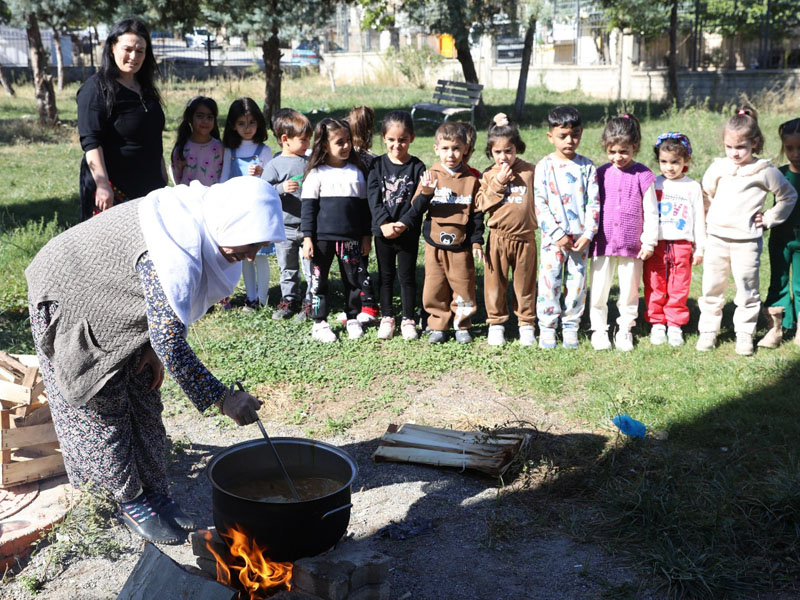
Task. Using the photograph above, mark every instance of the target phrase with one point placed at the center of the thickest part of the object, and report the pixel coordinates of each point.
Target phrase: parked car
(306, 54)
(200, 37)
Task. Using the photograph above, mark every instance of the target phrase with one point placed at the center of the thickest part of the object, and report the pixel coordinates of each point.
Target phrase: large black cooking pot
(288, 530)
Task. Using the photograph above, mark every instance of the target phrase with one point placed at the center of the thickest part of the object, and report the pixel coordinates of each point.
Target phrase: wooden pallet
(485, 452)
(29, 448)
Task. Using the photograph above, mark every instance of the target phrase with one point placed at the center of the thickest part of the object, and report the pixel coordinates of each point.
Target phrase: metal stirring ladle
(274, 451)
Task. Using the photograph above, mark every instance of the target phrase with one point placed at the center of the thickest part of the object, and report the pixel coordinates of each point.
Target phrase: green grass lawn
(709, 505)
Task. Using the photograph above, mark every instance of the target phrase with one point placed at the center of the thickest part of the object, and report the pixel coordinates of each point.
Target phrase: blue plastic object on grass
(629, 426)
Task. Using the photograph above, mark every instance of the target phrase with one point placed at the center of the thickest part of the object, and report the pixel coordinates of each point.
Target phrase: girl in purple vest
(627, 233)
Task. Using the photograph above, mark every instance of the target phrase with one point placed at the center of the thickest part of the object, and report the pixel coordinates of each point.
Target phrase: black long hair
(185, 128)
(240, 107)
(319, 153)
(109, 71)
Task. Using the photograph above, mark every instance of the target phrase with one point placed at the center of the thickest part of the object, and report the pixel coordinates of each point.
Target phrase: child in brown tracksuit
(506, 193)
(452, 226)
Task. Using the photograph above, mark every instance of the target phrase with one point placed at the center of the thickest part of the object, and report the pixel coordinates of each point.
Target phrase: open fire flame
(257, 575)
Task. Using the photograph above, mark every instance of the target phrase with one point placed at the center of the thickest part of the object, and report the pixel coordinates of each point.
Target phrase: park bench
(450, 98)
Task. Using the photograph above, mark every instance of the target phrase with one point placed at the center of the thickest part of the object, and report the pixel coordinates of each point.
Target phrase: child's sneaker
(341, 318)
(658, 334)
(409, 329)
(623, 341)
(497, 335)
(304, 314)
(251, 305)
(526, 335)
(463, 336)
(437, 337)
(547, 338)
(386, 329)
(225, 303)
(706, 341)
(570, 336)
(744, 343)
(600, 340)
(368, 316)
(284, 311)
(322, 332)
(675, 336)
(354, 329)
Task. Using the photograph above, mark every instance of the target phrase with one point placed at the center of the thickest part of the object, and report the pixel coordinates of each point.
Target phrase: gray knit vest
(90, 270)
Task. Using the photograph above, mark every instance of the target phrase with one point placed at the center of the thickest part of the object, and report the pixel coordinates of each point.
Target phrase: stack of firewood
(28, 442)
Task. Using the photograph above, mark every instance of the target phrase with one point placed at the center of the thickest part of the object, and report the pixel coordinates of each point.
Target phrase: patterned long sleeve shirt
(566, 198)
(168, 340)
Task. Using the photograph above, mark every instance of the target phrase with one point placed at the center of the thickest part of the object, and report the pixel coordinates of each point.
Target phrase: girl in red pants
(681, 237)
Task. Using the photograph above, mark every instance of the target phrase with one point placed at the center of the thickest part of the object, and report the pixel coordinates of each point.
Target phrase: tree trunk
(672, 68)
(59, 59)
(272, 65)
(522, 84)
(42, 80)
(468, 67)
(6, 83)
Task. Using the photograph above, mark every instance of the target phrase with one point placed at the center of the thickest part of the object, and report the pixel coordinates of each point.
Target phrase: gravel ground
(449, 535)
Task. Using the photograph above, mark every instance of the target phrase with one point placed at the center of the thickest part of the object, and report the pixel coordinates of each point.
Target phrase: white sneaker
(600, 340)
(409, 329)
(526, 335)
(706, 341)
(354, 329)
(386, 329)
(547, 338)
(322, 332)
(675, 336)
(658, 334)
(744, 344)
(366, 319)
(623, 341)
(497, 335)
(570, 337)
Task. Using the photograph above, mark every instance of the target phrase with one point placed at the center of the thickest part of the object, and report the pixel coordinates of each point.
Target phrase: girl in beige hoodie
(736, 189)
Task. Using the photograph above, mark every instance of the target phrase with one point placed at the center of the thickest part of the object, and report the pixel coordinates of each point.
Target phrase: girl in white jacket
(736, 189)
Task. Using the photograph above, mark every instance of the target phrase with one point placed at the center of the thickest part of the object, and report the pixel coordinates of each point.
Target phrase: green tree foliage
(751, 18)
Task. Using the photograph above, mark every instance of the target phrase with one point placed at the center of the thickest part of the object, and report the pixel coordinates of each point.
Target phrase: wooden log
(158, 576)
(430, 443)
(477, 435)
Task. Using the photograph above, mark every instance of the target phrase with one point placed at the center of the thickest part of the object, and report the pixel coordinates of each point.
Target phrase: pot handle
(335, 510)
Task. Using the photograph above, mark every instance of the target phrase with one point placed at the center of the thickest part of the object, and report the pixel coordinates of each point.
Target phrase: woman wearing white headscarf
(110, 303)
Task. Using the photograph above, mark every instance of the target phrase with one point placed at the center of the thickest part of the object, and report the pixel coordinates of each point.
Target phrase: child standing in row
(567, 207)
(736, 187)
(362, 127)
(627, 234)
(285, 173)
(198, 151)
(452, 227)
(783, 299)
(246, 154)
(681, 239)
(335, 221)
(391, 185)
(506, 194)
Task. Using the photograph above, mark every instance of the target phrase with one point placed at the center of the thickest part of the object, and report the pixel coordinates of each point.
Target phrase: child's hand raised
(505, 174)
(427, 180)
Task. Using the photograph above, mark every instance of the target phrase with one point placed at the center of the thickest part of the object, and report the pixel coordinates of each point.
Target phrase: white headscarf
(184, 226)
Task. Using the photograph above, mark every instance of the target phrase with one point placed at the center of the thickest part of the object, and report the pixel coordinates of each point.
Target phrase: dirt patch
(449, 534)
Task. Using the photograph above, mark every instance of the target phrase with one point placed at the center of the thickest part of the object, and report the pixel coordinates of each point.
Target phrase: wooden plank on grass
(430, 443)
(32, 470)
(23, 437)
(434, 458)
